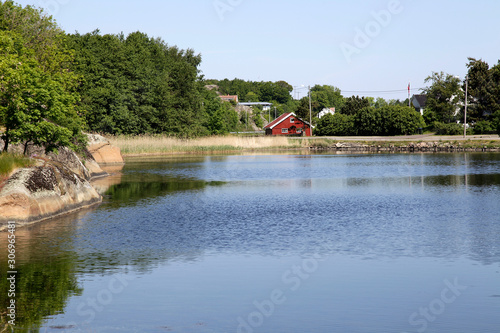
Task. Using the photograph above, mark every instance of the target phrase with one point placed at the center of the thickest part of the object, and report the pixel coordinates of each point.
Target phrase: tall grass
(9, 162)
(130, 145)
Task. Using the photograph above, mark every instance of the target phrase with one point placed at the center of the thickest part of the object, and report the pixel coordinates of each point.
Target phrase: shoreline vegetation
(11, 162)
(144, 145)
(152, 92)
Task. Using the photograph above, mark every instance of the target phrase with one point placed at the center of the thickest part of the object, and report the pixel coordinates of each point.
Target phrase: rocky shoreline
(425, 147)
(57, 184)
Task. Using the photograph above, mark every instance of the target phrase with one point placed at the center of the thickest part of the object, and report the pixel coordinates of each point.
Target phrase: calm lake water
(272, 243)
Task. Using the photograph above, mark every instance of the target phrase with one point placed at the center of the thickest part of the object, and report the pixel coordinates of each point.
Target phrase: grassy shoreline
(147, 145)
(163, 145)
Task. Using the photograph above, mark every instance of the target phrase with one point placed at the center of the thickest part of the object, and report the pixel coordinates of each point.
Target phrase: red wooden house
(288, 124)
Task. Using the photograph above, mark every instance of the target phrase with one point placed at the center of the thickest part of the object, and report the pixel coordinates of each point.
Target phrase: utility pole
(310, 111)
(465, 112)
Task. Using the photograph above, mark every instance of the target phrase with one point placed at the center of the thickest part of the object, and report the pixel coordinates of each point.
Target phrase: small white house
(419, 102)
(326, 111)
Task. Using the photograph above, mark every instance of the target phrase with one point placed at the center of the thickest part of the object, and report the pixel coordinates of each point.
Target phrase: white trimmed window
(284, 131)
(292, 119)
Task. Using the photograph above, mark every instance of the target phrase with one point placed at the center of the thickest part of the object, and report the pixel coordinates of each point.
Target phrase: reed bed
(131, 145)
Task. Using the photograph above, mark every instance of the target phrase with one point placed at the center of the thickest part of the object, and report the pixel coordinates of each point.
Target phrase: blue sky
(362, 47)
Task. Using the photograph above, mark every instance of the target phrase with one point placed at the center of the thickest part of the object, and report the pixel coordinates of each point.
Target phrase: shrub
(448, 129)
(495, 119)
(384, 121)
(336, 125)
(388, 120)
(484, 127)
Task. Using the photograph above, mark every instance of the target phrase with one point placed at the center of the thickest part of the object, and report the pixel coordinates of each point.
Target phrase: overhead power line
(370, 91)
(379, 91)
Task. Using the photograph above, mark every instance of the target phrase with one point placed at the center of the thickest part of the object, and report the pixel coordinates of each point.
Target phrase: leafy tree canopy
(37, 100)
(354, 104)
(444, 96)
(138, 84)
(483, 89)
(261, 91)
(327, 97)
(383, 121)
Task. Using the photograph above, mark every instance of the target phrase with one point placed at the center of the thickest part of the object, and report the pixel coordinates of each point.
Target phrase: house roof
(421, 100)
(235, 97)
(255, 103)
(282, 118)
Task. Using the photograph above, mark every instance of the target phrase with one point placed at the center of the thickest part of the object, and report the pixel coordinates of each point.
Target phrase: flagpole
(409, 102)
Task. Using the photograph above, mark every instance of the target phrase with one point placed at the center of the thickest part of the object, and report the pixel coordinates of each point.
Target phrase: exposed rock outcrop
(84, 166)
(46, 190)
(59, 182)
(102, 151)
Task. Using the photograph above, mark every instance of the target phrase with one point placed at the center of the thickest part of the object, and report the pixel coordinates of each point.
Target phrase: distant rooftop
(421, 99)
(256, 103)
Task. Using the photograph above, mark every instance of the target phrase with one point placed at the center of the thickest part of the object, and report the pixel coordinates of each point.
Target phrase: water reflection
(114, 177)
(146, 179)
(46, 273)
(183, 209)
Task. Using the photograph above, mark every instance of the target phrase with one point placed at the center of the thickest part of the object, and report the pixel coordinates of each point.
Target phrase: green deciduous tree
(380, 102)
(402, 120)
(388, 120)
(221, 116)
(327, 97)
(495, 120)
(302, 110)
(251, 97)
(264, 91)
(354, 104)
(484, 89)
(39, 33)
(138, 84)
(384, 121)
(38, 103)
(444, 96)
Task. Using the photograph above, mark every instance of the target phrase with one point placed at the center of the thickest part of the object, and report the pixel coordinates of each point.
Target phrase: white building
(326, 111)
(419, 102)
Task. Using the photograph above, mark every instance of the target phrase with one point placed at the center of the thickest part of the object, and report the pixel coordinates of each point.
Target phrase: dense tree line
(251, 91)
(383, 121)
(446, 100)
(55, 85)
(138, 84)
